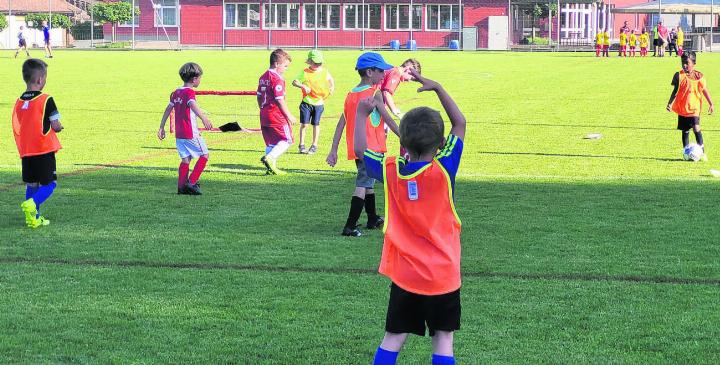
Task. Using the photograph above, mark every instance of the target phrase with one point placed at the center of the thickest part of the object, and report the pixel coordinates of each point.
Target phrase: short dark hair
(363, 71)
(278, 55)
(415, 63)
(421, 130)
(33, 69)
(190, 71)
(688, 55)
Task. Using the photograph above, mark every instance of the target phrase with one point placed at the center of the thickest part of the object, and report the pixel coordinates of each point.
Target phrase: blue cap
(371, 59)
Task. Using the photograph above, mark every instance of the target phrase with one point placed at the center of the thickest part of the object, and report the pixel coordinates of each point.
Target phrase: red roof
(38, 6)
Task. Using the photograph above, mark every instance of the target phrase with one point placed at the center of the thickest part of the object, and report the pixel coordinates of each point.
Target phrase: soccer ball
(692, 152)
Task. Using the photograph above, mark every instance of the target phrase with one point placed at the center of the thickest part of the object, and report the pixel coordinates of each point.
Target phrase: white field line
(587, 178)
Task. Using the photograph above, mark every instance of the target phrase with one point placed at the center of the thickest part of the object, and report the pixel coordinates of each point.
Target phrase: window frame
(328, 16)
(274, 26)
(358, 17)
(161, 14)
(439, 29)
(247, 16)
(397, 18)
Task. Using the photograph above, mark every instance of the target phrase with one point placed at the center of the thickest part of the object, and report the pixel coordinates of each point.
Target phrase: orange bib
(27, 121)
(421, 253)
(688, 100)
(375, 126)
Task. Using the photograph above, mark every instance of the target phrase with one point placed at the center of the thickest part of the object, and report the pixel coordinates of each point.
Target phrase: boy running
(317, 85)
(190, 144)
(689, 88)
(35, 122)
(275, 117)
(371, 67)
(22, 42)
(421, 250)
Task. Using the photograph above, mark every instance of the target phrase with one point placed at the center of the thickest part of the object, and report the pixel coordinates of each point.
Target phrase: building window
(443, 17)
(326, 16)
(167, 13)
(359, 16)
(397, 16)
(137, 14)
(242, 16)
(281, 16)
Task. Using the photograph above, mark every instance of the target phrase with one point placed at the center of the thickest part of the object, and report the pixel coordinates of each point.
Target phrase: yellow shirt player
(598, 43)
(633, 43)
(680, 41)
(317, 85)
(606, 43)
(644, 43)
(623, 44)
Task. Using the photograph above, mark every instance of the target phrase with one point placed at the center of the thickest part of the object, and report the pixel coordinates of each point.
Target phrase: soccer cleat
(351, 232)
(302, 149)
(183, 190)
(704, 158)
(375, 224)
(30, 210)
(312, 150)
(271, 165)
(193, 189)
(43, 221)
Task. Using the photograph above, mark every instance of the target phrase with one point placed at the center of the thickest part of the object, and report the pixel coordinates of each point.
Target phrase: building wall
(202, 23)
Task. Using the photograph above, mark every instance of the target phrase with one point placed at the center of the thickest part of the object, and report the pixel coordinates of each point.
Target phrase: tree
(3, 22)
(114, 13)
(58, 20)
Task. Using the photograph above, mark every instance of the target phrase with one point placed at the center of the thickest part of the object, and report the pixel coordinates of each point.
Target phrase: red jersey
(392, 79)
(185, 124)
(271, 88)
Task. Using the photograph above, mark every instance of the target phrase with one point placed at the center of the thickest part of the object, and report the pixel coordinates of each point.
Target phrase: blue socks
(39, 194)
(385, 357)
(443, 360)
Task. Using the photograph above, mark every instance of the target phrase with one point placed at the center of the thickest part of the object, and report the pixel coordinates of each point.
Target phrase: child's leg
(183, 172)
(685, 138)
(198, 169)
(442, 344)
(374, 221)
(278, 149)
(319, 109)
(303, 126)
(357, 203)
(316, 135)
(389, 349)
(42, 194)
(698, 136)
(30, 190)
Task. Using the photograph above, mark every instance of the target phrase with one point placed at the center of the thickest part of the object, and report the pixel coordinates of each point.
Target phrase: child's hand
(306, 90)
(332, 158)
(56, 126)
(161, 133)
(427, 84)
(292, 120)
(711, 109)
(669, 107)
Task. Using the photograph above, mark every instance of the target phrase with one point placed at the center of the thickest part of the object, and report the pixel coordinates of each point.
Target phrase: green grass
(574, 250)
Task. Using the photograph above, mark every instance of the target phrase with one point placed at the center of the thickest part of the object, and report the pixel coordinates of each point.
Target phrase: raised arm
(457, 119)
(380, 105)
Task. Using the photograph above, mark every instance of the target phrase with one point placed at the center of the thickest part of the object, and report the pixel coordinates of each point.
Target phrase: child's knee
(33, 185)
(186, 159)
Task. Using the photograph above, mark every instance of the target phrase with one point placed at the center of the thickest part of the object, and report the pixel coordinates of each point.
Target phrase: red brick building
(322, 23)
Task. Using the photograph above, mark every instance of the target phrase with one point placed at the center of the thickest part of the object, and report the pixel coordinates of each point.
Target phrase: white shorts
(194, 148)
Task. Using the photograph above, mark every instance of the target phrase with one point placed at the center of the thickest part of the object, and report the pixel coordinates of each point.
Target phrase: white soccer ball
(692, 152)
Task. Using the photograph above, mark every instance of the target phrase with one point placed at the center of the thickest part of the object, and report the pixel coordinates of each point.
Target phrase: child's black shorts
(687, 123)
(39, 169)
(409, 312)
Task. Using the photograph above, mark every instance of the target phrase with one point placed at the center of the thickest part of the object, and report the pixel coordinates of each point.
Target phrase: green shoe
(30, 210)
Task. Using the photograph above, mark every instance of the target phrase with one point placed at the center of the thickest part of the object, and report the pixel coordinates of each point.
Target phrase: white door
(498, 33)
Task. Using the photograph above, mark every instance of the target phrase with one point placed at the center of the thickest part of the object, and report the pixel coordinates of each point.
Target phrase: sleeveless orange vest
(421, 253)
(27, 121)
(689, 97)
(375, 126)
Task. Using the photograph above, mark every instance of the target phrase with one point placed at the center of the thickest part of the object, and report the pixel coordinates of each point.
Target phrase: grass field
(574, 250)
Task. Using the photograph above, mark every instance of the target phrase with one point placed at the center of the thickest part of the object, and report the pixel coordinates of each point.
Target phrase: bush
(58, 20)
(3, 22)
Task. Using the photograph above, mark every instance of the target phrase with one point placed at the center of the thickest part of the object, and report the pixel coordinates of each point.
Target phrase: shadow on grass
(581, 231)
(258, 151)
(579, 155)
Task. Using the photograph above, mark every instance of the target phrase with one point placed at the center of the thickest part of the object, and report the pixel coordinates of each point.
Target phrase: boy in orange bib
(371, 67)
(689, 88)
(421, 252)
(35, 120)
